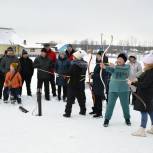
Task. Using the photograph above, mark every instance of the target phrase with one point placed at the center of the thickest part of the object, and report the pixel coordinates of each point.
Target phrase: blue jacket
(61, 67)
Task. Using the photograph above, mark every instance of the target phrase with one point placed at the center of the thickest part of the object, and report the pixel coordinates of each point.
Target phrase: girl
(13, 84)
(144, 90)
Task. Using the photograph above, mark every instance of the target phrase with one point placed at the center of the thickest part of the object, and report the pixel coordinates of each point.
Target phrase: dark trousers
(28, 84)
(13, 92)
(53, 86)
(2, 79)
(64, 91)
(46, 87)
(98, 105)
(79, 95)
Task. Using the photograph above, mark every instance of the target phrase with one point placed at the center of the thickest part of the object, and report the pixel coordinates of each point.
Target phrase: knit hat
(44, 50)
(10, 49)
(69, 45)
(46, 45)
(133, 55)
(24, 52)
(14, 65)
(100, 53)
(123, 56)
(78, 55)
(148, 59)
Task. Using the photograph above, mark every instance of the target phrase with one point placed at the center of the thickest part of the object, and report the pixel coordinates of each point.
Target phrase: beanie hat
(24, 52)
(100, 53)
(78, 55)
(44, 50)
(69, 45)
(46, 45)
(133, 55)
(148, 59)
(10, 49)
(123, 56)
(15, 65)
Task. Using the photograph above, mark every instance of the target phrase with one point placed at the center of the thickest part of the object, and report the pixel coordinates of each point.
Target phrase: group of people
(68, 72)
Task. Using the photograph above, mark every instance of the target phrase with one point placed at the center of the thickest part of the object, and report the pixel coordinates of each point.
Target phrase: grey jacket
(6, 61)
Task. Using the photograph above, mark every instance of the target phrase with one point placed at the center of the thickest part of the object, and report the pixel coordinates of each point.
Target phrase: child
(13, 84)
(98, 87)
(61, 67)
(144, 90)
(118, 87)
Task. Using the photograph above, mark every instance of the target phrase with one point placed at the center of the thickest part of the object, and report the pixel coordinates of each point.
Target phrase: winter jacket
(13, 81)
(77, 73)
(43, 64)
(119, 76)
(98, 87)
(135, 70)
(6, 62)
(70, 55)
(27, 68)
(61, 67)
(52, 56)
(144, 91)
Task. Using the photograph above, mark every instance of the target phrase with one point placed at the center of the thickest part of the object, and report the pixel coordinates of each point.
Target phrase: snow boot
(150, 131)
(67, 115)
(106, 123)
(128, 122)
(140, 132)
(97, 116)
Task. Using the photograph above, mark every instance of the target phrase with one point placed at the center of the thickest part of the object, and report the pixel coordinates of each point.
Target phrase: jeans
(144, 118)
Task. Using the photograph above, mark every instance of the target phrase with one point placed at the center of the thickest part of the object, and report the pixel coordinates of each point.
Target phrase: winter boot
(140, 132)
(67, 115)
(97, 115)
(106, 123)
(150, 131)
(59, 98)
(128, 122)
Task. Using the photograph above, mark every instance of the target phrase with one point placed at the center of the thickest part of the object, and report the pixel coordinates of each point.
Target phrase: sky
(69, 20)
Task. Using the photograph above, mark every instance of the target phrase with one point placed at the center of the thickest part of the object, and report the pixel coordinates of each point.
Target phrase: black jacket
(26, 67)
(145, 91)
(43, 65)
(77, 73)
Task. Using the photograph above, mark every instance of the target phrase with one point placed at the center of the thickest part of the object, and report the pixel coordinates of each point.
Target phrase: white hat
(133, 55)
(78, 55)
(148, 59)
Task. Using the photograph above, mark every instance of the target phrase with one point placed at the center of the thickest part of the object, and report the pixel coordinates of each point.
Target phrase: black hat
(10, 49)
(100, 53)
(46, 45)
(69, 45)
(44, 50)
(24, 52)
(123, 55)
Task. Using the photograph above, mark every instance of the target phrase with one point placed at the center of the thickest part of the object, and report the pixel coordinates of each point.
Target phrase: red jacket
(52, 56)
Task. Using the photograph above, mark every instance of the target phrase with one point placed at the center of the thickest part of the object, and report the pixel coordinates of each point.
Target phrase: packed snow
(52, 133)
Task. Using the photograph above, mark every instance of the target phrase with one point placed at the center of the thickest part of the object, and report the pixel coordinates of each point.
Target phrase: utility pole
(101, 36)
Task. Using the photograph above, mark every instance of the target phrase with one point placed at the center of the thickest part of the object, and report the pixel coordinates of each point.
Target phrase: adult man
(76, 85)
(26, 70)
(69, 52)
(52, 56)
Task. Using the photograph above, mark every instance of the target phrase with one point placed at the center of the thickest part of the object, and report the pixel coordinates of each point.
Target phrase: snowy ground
(52, 133)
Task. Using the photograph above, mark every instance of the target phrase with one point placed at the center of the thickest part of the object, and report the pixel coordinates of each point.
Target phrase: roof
(9, 37)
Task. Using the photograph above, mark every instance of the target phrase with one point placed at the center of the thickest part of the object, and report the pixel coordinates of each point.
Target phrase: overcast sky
(68, 20)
